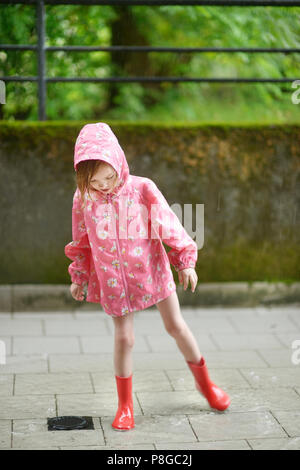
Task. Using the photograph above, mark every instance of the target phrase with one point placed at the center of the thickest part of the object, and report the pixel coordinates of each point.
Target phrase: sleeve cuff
(78, 278)
(184, 266)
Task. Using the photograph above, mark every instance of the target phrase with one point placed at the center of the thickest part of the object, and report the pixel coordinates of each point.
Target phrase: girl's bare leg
(123, 344)
(176, 326)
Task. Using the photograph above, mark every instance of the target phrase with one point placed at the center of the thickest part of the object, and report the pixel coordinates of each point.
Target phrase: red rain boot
(124, 419)
(216, 397)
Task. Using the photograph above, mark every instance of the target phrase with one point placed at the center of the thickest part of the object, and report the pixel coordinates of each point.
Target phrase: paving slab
(88, 315)
(25, 363)
(76, 327)
(287, 339)
(61, 363)
(190, 402)
(5, 433)
(92, 404)
(80, 362)
(150, 429)
(46, 345)
(285, 443)
(284, 309)
(213, 445)
(6, 384)
(53, 383)
(158, 361)
(166, 343)
(275, 323)
(278, 358)
(34, 434)
(142, 380)
(183, 379)
(290, 421)
(20, 327)
(27, 406)
(215, 426)
(232, 359)
(45, 315)
(243, 341)
(211, 324)
(105, 344)
(172, 403)
(295, 318)
(222, 311)
(272, 377)
(265, 399)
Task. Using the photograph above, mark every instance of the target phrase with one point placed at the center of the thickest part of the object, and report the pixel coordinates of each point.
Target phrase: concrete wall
(247, 177)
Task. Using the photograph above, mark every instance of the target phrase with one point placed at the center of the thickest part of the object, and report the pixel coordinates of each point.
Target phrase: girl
(119, 222)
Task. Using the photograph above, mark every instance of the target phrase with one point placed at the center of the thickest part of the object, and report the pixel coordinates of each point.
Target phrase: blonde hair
(84, 173)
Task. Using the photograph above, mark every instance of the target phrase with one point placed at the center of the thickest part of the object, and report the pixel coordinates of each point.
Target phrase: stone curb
(37, 297)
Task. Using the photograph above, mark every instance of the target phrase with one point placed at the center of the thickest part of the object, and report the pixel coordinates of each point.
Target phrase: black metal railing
(41, 49)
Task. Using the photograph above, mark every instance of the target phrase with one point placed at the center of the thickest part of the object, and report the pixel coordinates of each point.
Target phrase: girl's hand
(77, 292)
(186, 275)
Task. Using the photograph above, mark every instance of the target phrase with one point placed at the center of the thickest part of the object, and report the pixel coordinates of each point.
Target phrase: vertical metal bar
(40, 23)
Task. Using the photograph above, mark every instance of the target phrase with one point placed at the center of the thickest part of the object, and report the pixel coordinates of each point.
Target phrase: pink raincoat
(117, 249)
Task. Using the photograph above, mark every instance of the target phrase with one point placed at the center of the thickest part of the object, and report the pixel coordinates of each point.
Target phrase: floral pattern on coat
(124, 273)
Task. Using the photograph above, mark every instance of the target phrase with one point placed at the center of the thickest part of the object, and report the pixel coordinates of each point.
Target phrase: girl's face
(104, 179)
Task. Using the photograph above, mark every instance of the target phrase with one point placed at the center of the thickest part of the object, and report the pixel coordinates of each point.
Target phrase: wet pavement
(61, 363)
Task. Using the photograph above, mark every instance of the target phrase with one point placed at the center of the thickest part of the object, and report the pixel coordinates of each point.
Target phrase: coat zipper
(121, 263)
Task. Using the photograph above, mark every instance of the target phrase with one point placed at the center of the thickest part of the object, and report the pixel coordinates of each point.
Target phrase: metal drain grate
(69, 423)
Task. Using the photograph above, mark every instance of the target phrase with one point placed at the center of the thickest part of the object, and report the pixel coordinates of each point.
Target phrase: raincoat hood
(98, 142)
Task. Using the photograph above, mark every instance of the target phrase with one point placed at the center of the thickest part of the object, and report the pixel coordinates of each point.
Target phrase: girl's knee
(124, 340)
(124, 333)
(176, 329)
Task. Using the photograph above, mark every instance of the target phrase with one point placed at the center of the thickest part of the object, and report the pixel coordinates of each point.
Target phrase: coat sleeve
(165, 223)
(78, 250)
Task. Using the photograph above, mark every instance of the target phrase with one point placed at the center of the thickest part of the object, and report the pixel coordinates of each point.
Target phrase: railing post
(40, 19)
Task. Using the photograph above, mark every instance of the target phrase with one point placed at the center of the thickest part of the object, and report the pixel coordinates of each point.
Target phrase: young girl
(119, 222)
